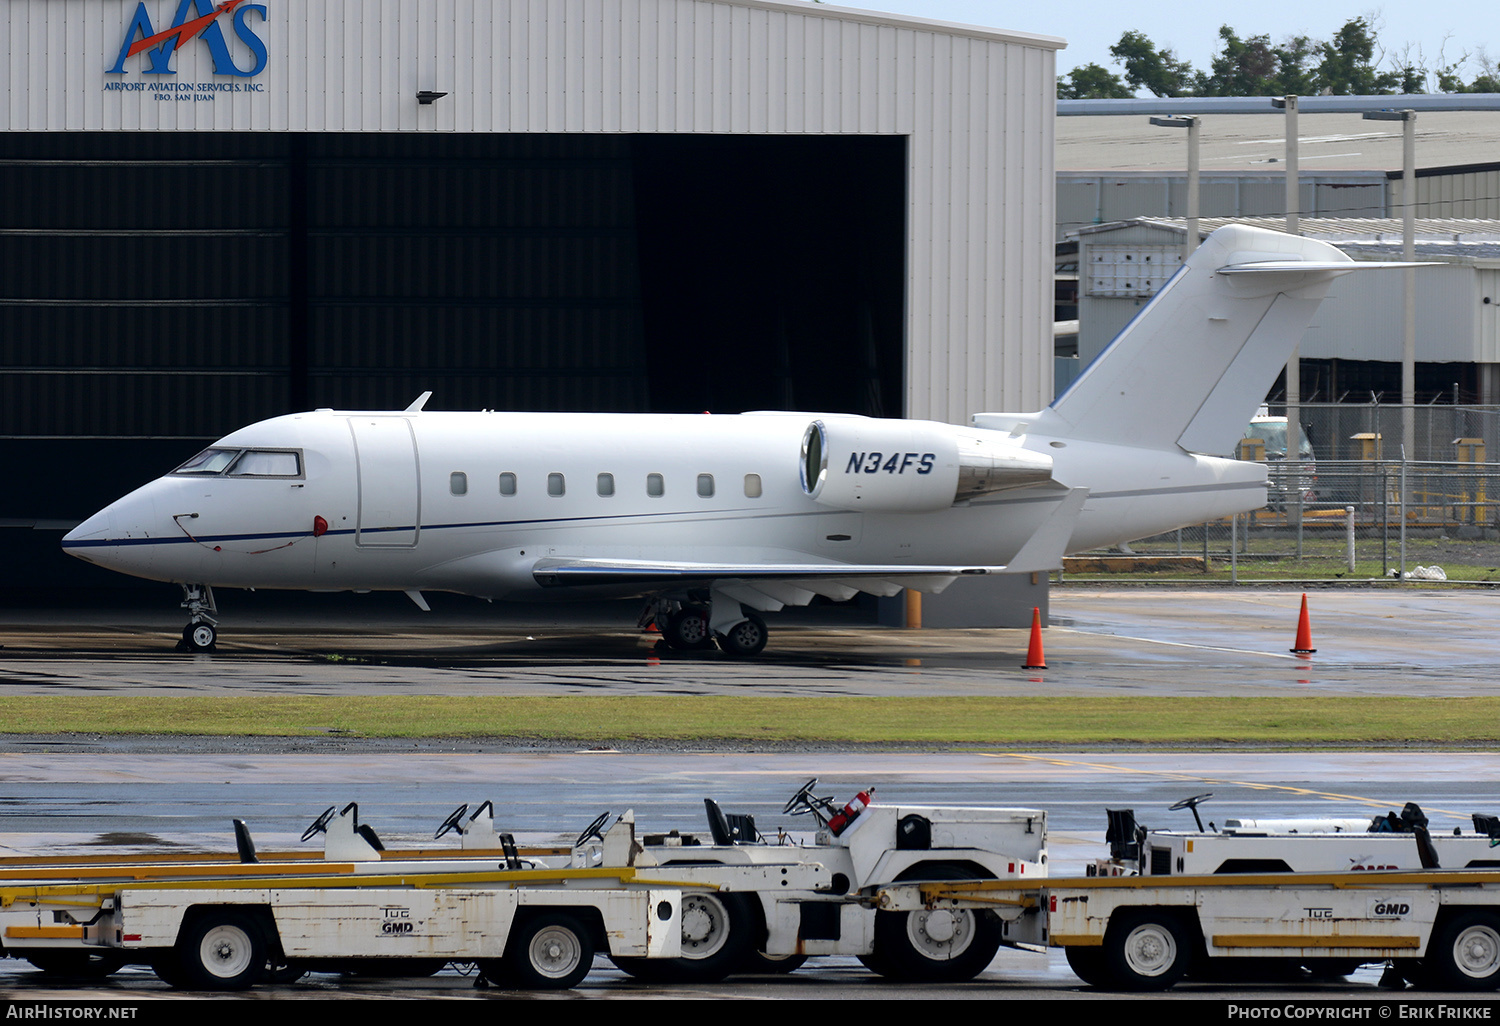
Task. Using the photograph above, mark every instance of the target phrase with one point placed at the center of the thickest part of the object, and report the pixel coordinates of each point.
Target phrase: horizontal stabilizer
(1300, 266)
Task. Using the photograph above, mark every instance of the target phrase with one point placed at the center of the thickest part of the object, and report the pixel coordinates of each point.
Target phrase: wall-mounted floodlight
(426, 96)
(1388, 115)
(1191, 124)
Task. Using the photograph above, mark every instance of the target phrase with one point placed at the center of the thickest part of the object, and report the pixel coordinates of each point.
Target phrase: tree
(1486, 81)
(1147, 67)
(1244, 67)
(1295, 75)
(1091, 82)
(1348, 67)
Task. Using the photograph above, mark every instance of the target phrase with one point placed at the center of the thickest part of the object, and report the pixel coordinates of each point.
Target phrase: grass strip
(936, 720)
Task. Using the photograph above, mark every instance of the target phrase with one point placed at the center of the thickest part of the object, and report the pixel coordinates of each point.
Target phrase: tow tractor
(1391, 840)
(864, 845)
(671, 905)
(1320, 896)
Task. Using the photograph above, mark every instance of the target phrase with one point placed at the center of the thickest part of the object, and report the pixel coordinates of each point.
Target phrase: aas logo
(141, 36)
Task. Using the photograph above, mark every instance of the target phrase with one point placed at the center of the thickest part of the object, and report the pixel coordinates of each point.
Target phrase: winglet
(419, 402)
(1044, 549)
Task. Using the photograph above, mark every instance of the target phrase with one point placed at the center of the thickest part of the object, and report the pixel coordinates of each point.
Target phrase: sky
(1442, 30)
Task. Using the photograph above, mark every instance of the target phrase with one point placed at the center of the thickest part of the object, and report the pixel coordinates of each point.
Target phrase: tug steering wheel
(594, 829)
(804, 801)
(319, 825)
(1192, 805)
(453, 822)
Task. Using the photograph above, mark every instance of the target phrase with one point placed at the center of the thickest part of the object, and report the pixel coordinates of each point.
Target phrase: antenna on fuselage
(419, 402)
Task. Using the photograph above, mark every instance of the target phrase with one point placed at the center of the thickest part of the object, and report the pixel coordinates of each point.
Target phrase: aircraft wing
(771, 585)
(562, 572)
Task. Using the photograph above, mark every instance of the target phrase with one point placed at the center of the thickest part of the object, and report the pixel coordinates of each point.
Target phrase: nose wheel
(202, 630)
(199, 637)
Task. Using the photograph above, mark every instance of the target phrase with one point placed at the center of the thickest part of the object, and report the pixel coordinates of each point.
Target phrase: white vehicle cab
(1390, 840)
(1297, 477)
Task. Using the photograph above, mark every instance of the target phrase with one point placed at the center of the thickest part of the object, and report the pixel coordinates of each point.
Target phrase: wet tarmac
(84, 803)
(87, 793)
(1376, 641)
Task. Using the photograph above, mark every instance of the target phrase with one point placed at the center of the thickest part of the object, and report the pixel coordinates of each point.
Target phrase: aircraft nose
(116, 536)
(97, 527)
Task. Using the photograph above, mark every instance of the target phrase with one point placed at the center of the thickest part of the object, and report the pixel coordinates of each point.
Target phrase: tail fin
(1195, 363)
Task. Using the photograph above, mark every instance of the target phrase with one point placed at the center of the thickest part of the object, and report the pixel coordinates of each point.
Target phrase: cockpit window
(266, 463)
(244, 463)
(209, 461)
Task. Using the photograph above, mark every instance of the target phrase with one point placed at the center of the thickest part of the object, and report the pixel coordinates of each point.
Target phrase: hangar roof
(1453, 240)
(865, 17)
(1256, 143)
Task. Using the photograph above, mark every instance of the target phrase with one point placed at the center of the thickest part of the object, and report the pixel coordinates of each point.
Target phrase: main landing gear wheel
(199, 636)
(745, 639)
(687, 629)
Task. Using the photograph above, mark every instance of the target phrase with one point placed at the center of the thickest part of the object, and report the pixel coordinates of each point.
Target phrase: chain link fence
(1363, 518)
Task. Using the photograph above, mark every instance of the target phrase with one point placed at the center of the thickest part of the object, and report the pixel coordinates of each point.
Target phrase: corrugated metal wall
(252, 274)
(976, 105)
(1471, 193)
(143, 289)
(499, 271)
(1087, 198)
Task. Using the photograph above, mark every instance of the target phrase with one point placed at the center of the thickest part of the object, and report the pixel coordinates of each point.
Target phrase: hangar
(215, 213)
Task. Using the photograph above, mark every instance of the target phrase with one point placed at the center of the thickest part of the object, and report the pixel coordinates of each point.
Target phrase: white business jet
(716, 519)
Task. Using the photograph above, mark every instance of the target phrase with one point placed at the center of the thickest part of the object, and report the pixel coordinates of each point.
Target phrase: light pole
(1294, 362)
(1408, 254)
(1191, 124)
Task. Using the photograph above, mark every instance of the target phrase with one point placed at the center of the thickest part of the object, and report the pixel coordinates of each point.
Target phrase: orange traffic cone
(1304, 632)
(1034, 658)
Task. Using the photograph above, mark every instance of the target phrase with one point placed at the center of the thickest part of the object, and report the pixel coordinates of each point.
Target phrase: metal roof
(1436, 237)
(1256, 143)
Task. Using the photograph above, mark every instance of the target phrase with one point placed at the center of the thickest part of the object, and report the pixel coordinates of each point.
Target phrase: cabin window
(555, 484)
(705, 486)
(266, 463)
(507, 484)
(752, 486)
(606, 484)
(655, 486)
(458, 483)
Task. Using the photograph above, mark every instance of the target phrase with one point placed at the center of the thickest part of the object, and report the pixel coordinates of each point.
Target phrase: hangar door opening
(773, 271)
(163, 289)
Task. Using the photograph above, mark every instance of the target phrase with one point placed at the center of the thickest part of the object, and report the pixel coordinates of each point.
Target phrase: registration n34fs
(713, 520)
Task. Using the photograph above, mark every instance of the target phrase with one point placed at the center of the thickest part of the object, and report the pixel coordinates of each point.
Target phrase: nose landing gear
(201, 632)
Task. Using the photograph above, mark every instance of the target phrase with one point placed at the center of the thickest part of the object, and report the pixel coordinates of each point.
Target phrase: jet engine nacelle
(910, 466)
